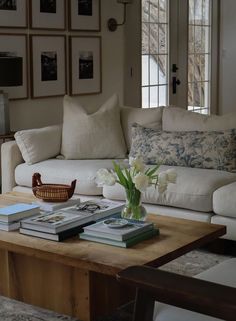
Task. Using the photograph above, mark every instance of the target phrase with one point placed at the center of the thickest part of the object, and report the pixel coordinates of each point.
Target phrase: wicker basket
(52, 192)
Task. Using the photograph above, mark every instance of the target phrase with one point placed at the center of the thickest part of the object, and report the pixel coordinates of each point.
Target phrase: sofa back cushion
(39, 144)
(211, 150)
(178, 119)
(92, 136)
(148, 117)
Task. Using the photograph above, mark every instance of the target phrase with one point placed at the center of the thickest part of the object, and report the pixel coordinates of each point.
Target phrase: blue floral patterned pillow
(210, 149)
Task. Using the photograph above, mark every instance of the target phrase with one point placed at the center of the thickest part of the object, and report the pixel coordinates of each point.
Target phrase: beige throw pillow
(39, 144)
(179, 119)
(92, 136)
(148, 117)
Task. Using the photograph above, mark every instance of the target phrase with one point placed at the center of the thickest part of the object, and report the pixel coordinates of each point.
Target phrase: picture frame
(48, 65)
(85, 65)
(48, 15)
(84, 15)
(13, 14)
(16, 45)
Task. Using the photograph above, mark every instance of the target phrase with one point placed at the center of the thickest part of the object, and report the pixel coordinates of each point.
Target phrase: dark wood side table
(5, 137)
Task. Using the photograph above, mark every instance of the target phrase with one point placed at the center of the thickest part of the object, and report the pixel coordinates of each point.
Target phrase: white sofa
(200, 194)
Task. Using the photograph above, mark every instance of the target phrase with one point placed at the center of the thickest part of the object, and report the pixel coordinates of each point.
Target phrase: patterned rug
(189, 264)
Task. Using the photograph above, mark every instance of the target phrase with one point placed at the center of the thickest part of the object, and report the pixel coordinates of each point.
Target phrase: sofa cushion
(211, 150)
(148, 117)
(179, 119)
(64, 171)
(39, 144)
(193, 189)
(223, 273)
(224, 200)
(92, 136)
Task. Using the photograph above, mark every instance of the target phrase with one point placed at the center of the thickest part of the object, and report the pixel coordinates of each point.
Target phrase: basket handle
(36, 180)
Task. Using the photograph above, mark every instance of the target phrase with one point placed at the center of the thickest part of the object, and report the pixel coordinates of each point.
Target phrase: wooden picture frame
(48, 65)
(16, 45)
(84, 15)
(85, 65)
(45, 15)
(13, 14)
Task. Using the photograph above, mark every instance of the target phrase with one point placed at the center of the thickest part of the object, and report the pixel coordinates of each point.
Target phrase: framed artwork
(84, 15)
(15, 45)
(13, 13)
(85, 65)
(47, 14)
(48, 65)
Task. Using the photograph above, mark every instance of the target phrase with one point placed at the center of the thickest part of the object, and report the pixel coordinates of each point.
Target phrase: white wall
(227, 86)
(32, 113)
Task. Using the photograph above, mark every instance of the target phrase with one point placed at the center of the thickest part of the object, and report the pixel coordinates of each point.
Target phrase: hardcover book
(132, 229)
(53, 206)
(56, 222)
(8, 227)
(99, 208)
(130, 242)
(17, 212)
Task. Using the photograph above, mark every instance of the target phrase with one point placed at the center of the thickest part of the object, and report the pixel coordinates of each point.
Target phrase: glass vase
(133, 208)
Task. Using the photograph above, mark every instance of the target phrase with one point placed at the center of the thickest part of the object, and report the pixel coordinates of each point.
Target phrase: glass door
(179, 48)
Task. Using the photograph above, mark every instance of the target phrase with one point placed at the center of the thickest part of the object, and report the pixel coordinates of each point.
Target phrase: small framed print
(48, 65)
(85, 65)
(84, 15)
(13, 13)
(15, 45)
(47, 14)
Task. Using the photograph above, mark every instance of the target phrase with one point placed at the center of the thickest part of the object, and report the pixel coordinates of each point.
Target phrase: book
(132, 229)
(98, 208)
(55, 222)
(53, 206)
(53, 237)
(17, 212)
(9, 226)
(128, 243)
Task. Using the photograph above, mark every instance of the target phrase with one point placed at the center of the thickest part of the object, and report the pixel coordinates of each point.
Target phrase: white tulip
(137, 164)
(105, 177)
(171, 175)
(162, 182)
(141, 182)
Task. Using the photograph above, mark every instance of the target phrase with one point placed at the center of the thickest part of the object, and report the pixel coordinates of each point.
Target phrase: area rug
(189, 264)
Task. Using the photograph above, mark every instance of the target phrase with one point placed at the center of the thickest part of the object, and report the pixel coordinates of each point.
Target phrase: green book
(130, 242)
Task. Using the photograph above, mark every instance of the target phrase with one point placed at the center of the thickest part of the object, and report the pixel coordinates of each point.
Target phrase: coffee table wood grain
(77, 277)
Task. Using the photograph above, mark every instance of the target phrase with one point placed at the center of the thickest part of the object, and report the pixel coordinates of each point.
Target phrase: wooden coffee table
(77, 277)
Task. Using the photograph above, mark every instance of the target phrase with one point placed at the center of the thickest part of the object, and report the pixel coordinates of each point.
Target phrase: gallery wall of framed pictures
(57, 45)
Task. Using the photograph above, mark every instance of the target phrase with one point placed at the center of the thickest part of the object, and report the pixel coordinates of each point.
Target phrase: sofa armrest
(185, 292)
(10, 158)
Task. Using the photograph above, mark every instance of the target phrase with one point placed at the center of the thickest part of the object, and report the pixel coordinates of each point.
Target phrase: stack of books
(128, 234)
(53, 206)
(67, 222)
(10, 216)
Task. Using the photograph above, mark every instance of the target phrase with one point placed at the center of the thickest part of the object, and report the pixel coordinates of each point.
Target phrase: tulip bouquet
(135, 179)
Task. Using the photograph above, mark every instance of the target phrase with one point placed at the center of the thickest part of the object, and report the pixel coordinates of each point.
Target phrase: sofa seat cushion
(223, 273)
(224, 201)
(64, 171)
(193, 189)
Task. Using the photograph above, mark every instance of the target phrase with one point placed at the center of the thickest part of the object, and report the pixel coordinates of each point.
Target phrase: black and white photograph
(13, 14)
(48, 14)
(48, 65)
(48, 6)
(85, 59)
(7, 4)
(86, 65)
(85, 7)
(84, 15)
(15, 45)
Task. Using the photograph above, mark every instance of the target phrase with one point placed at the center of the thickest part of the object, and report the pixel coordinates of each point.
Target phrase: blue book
(17, 212)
